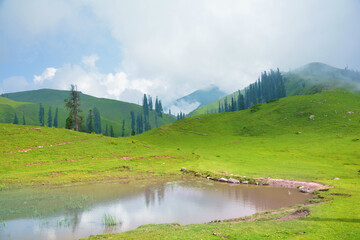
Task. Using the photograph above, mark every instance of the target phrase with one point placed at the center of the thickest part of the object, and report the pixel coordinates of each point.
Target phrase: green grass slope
(280, 140)
(112, 111)
(307, 79)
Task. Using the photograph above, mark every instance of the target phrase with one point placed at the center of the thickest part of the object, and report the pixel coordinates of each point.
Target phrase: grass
(265, 143)
(110, 220)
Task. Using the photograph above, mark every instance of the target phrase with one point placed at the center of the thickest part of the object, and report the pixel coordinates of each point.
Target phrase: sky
(122, 49)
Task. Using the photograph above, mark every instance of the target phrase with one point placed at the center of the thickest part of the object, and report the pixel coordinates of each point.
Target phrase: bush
(255, 108)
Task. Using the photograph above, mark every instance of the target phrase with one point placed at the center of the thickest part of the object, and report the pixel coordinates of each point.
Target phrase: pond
(80, 211)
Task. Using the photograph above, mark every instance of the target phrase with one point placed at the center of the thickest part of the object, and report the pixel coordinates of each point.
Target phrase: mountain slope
(307, 79)
(112, 111)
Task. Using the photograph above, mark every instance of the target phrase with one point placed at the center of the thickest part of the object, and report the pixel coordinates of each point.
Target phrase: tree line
(270, 85)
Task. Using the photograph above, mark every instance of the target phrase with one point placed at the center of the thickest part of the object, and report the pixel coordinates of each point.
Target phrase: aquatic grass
(66, 222)
(109, 220)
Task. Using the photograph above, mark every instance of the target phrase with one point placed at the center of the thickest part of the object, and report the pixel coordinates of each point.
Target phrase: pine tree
(112, 131)
(150, 103)
(123, 129)
(106, 131)
(132, 115)
(90, 122)
(41, 115)
(56, 118)
(73, 104)
(97, 121)
(24, 122)
(241, 103)
(49, 118)
(69, 122)
(16, 121)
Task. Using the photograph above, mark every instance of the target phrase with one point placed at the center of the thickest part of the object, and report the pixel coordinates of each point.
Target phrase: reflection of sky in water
(184, 202)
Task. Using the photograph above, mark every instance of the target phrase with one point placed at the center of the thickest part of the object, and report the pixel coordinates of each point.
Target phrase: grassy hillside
(279, 140)
(112, 111)
(307, 79)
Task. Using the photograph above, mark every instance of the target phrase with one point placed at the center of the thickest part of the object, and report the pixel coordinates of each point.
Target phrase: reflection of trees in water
(76, 221)
(155, 192)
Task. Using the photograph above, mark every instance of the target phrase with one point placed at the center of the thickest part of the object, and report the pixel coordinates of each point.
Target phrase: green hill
(308, 137)
(112, 111)
(307, 79)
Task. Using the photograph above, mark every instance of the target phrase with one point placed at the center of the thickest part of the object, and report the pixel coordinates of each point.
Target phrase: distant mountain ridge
(197, 99)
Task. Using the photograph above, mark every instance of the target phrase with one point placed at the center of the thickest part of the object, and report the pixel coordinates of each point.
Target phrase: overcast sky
(122, 49)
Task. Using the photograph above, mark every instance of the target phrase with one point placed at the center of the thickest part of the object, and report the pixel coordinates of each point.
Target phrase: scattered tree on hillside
(69, 122)
(97, 121)
(49, 120)
(139, 124)
(132, 115)
(106, 133)
(150, 104)
(158, 107)
(73, 104)
(123, 129)
(56, 118)
(41, 115)
(24, 122)
(16, 120)
(89, 122)
(180, 116)
(112, 131)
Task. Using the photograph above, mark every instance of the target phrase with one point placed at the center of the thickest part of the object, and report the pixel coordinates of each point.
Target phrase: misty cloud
(171, 48)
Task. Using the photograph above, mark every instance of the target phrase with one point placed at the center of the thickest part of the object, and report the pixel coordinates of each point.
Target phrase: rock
(245, 182)
(350, 112)
(183, 169)
(304, 190)
(312, 117)
(336, 178)
(231, 180)
(222, 180)
(216, 234)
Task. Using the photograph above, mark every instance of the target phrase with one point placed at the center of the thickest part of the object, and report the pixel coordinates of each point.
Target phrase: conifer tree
(97, 121)
(16, 120)
(73, 104)
(24, 122)
(112, 131)
(106, 133)
(132, 115)
(41, 115)
(49, 120)
(56, 118)
(123, 129)
(90, 122)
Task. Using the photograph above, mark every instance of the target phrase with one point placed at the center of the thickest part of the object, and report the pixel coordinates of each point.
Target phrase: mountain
(307, 79)
(196, 99)
(112, 112)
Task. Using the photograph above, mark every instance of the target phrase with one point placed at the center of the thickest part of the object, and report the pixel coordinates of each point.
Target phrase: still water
(78, 211)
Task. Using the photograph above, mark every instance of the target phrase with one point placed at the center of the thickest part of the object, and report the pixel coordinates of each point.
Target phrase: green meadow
(309, 137)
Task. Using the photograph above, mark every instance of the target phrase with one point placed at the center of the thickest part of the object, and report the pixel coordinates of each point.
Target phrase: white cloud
(48, 74)
(89, 61)
(14, 84)
(171, 48)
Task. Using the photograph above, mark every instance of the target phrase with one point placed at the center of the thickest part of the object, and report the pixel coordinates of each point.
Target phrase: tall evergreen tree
(241, 103)
(73, 104)
(49, 120)
(106, 130)
(112, 134)
(90, 122)
(16, 120)
(150, 104)
(123, 129)
(132, 115)
(56, 118)
(24, 122)
(41, 115)
(97, 121)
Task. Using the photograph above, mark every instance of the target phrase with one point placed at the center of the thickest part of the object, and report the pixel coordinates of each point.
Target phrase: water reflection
(78, 211)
